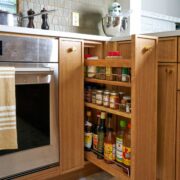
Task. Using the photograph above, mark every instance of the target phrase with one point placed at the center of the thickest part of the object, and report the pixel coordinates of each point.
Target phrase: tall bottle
(88, 132)
(127, 148)
(95, 133)
(101, 135)
(109, 142)
(119, 141)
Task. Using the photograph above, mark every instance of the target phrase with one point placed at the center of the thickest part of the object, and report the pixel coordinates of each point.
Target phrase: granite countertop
(50, 33)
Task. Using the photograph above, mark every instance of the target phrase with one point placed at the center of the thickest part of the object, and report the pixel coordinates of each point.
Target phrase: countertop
(50, 33)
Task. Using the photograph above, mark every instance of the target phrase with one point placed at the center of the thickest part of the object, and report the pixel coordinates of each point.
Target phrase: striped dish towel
(8, 131)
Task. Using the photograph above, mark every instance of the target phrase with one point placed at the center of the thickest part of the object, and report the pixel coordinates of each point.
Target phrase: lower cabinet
(166, 147)
(71, 105)
(178, 139)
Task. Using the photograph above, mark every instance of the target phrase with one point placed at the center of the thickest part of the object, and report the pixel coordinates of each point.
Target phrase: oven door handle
(26, 70)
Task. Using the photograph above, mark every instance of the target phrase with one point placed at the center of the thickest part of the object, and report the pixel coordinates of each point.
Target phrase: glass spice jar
(106, 98)
(125, 105)
(102, 73)
(114, 100)
(125, 75)
(94, 96)
(109, 73)
(88, 94)
(121, 94)
(91, 71)
(99, 97)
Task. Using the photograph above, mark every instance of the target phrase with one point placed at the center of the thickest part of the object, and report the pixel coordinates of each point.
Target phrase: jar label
(126, 156)
(119, 149)
(109, 151)
(95, 141)
(88, 140)
(106, 100)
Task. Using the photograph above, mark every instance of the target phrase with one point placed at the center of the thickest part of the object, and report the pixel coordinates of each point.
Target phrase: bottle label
(88, 140)
(119, 149)
(101, 142)
(109, 151)
(95, 141)
(126, 156)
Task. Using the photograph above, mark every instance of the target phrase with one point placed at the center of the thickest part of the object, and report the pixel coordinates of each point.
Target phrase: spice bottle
(119, 141)
(88, 132)
(125, 75)
(106, 98)
(109, 142)
(99, 97)
(101, 135)
(109, 73)
(114, 100)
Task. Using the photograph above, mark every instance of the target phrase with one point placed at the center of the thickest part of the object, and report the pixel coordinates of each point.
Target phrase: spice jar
(106, 98)
(125, 105)
(99, 97)
(114, 100)
(125, 75)
(109, 73)
(121, 94)
(91, 71)
(94, 96)
(88, 94)
(102, 73)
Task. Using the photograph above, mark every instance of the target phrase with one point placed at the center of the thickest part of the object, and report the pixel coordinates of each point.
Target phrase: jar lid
(121, 93)
(127, 97)
(113, 93)
(123, 123)
(106, 92)
(99, 91)
(88, 123)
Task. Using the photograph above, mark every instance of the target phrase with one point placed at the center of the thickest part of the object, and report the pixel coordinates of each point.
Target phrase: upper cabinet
(167, 49)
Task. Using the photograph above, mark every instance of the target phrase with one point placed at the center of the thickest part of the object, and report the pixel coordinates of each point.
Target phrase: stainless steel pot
(8, 18)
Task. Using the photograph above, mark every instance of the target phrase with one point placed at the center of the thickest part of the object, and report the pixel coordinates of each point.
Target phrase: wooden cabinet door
(71, 105)
(167, 74)
(178, 139)
(179, 49)
(167, 49)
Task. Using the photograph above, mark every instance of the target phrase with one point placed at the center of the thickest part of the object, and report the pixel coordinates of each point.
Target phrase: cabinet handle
(146, 48)
(169, 71)
(73, 49)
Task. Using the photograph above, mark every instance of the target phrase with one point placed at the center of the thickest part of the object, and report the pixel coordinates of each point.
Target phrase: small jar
(121, 94)
(88, 94)
(106, 98)
(114, 100)
(99, 97)
(109, 73)
(94, 96)
(125, 75)
(125, 105)
(91, 71)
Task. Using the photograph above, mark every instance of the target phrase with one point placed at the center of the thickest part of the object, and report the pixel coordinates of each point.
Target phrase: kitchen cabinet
(167, 49)
(139, 55)
(178, 139)
(167, 76)
(71, 105)
(178, 49)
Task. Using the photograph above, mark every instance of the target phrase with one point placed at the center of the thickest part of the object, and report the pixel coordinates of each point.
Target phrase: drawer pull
(73, 49)
(146, 48)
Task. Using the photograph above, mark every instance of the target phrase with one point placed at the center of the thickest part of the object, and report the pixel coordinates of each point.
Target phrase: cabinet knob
(146, 48)
(73, 49)
(169, 71)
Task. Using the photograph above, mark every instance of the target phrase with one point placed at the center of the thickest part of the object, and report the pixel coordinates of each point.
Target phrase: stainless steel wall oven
(36, 62)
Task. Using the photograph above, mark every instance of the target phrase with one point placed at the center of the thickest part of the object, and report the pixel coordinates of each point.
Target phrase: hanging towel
(8, 131)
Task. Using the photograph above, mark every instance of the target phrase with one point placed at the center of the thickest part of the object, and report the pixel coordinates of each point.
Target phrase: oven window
(33, 116)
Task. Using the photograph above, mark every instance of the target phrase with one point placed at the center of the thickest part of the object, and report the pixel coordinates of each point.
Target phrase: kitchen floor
(98, 176)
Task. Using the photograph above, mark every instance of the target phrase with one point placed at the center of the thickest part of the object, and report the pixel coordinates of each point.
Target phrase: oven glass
(33, 116)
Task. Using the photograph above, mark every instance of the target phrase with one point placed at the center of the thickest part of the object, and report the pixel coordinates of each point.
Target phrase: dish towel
(8, 131)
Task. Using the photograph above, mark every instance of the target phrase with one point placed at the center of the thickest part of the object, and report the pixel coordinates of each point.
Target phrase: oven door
(37, 122)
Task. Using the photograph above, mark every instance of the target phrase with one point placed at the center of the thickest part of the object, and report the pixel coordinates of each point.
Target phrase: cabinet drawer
(167, 49)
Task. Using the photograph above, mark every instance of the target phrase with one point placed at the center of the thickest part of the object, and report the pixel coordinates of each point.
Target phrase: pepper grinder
(44, 20)
(31, 18)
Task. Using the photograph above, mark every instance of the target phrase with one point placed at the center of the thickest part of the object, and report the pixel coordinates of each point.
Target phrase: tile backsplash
(90, 11)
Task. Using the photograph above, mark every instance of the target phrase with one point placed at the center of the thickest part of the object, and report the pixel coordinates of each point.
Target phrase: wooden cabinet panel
(71, 105)
(178, 81)
(178, 139)
(179, 49)
(167, 49)
(166, 121)
(124, 48)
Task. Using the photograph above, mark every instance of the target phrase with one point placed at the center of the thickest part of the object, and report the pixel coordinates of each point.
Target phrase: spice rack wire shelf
(102, 108)
(113, 169)
(109, 63)
(113, 83)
